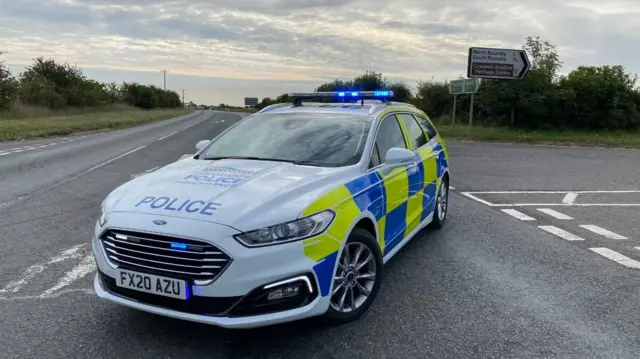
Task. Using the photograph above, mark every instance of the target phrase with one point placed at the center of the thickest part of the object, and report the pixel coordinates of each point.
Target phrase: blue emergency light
(353, 95)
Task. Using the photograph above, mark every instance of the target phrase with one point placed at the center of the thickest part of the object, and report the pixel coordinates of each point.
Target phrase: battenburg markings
(180, 205)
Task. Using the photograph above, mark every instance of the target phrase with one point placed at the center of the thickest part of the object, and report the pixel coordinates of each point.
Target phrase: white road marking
(469, 195)
(111, 160)
(552, 192)
(617, 257)
(18, 151)
(561, 233)
(60, 293)
(517, 214)
(86, 266)
(171, 134)
(570, 197)
(451, 187)
(6, 153)
(568, 205)
(554, 213)
(638, 248)
(603, 232)
(34, 270)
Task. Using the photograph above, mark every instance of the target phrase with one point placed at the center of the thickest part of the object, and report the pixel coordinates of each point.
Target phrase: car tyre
(359, 239)
(442, 205)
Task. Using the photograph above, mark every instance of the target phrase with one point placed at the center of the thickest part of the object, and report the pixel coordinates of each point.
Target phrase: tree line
(587, 98)
(53, 85)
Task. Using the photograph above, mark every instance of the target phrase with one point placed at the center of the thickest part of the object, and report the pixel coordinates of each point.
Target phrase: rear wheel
(357, 278)
(442, 205)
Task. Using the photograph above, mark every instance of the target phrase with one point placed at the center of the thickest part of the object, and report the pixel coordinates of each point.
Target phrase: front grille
(164, 255)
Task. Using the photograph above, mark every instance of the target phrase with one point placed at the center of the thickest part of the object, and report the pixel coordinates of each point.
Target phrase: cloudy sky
(224, 50)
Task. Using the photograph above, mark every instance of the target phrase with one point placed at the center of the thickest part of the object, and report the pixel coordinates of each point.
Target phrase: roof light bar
(354, 95)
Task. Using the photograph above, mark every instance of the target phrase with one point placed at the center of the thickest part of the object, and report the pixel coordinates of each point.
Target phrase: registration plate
(149, 283)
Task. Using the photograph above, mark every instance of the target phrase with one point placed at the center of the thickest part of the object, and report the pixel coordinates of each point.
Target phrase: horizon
(223, 52)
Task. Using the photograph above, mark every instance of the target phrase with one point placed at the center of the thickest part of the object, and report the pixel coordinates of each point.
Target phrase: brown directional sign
(491, 63)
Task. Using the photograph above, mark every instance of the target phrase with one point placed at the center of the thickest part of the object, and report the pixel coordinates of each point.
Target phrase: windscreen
(328, 140)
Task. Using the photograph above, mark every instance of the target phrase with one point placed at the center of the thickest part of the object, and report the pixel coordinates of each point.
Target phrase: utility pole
(183, 103)
(164, 75)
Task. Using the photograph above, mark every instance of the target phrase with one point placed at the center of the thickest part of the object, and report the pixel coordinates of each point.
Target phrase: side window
(389, 136)
(416, 135)
(375, 157)
(431, 131)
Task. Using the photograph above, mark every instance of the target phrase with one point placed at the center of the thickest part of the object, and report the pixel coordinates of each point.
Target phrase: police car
(290, 213)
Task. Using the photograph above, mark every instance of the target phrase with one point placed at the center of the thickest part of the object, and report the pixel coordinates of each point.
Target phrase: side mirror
(202, 144)
(398, 157)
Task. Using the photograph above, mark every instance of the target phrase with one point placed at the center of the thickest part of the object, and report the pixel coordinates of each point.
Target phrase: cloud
(314, 40)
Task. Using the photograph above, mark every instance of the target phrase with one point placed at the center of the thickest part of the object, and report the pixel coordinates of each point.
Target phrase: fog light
(284, 292)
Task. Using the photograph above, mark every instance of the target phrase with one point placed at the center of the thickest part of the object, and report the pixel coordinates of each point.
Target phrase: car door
(392, 225)
(423, 179)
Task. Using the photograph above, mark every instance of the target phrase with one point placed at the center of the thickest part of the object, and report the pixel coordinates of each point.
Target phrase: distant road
(521, 270)
(27, 166)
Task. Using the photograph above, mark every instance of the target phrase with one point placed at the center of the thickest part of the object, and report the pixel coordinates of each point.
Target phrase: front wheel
(442, 205)
(357, 279)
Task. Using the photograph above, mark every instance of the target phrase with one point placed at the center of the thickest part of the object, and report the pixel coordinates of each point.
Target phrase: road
(503, 279)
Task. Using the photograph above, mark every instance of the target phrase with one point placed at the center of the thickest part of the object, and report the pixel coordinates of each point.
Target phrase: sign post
(463, 86)
(251, 101)
(503, 64)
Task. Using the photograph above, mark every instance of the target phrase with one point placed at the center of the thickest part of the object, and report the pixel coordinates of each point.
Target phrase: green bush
(51, 85)
(588, 98)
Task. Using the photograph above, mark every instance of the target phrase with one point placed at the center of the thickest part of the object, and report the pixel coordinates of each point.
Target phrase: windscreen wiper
(246, 158)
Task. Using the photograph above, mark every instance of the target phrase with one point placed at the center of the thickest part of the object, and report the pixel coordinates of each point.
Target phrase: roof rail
(274, 106)
(377, 107)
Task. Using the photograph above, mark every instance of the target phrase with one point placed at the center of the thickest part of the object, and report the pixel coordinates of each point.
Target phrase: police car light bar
(355, 95)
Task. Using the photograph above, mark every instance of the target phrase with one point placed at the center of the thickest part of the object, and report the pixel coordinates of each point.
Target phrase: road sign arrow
(492, 63)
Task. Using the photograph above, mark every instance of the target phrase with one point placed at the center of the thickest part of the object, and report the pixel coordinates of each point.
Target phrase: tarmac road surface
(519, 272)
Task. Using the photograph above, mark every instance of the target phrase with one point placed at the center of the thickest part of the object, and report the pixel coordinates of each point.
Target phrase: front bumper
(237, 298)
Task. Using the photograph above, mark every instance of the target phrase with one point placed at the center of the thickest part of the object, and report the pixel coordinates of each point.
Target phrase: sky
(220, 51)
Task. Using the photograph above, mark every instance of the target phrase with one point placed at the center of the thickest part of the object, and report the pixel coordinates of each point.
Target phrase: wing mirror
(398, 157)
(202, 144)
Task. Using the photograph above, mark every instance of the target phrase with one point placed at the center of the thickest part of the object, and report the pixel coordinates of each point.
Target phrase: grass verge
(564, 138)
(62, 125)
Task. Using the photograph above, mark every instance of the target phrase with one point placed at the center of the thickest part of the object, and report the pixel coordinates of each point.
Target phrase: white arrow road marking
(603, 232)
(34, 270)
(617, 257)
(86, 266)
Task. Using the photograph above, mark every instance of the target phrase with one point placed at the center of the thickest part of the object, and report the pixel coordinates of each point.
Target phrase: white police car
(290, 213)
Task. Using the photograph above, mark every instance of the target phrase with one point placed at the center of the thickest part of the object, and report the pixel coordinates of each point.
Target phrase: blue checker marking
(428, 201)
(396, 223)
(442, 161)
(415, 175)
(374, 199)
(324, 272)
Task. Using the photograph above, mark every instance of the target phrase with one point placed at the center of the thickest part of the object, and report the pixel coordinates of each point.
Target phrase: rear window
(328, 140)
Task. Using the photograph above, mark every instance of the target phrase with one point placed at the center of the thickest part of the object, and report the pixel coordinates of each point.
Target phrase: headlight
(288, 232)
(103, 217)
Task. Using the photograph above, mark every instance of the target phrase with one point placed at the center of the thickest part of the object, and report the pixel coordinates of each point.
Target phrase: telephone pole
(164, 75)
(183, 103)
